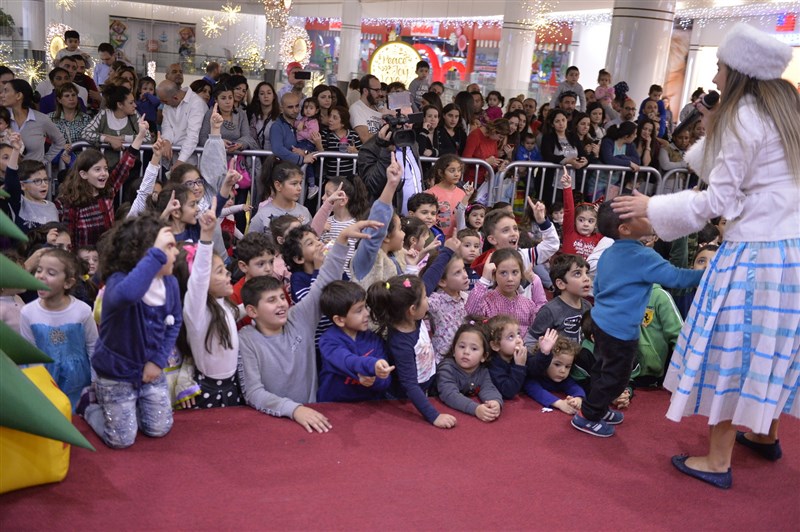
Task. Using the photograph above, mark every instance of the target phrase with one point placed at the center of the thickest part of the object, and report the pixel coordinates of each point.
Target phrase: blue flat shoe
(719, 480)
(770, 451)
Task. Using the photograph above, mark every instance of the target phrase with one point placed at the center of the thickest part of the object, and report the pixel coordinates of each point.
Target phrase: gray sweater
(454, 383)
(279, 373)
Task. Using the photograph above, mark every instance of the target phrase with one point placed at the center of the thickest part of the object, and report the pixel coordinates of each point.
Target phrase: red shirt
(573, 242)
(479, 146)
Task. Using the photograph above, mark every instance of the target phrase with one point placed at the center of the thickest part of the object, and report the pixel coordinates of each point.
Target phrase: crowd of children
(456, 299)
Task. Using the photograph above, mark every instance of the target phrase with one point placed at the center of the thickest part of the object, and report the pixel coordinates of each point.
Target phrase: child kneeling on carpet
(279, 369)
(463, 374)
(139, 324)
(354, 366)
(625, 276)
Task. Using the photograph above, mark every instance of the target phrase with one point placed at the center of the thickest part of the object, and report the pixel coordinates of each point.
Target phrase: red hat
(294, 65)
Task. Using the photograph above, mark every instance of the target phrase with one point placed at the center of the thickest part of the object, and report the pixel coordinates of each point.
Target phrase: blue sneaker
(613, 417)
(595, 428)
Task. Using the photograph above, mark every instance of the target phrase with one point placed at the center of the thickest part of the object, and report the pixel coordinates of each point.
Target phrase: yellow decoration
(394, 61)
(230, 13)
(28, 460)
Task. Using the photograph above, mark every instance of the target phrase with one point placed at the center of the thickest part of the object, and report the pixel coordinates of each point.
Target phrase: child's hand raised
(173, 205)
(538, 209)
(383, 369)
(208, 222)
(566, 179)
(453, 243)
(547, 341)
(488, 270)
(356, 231)
(445, 421)
(165, 240)
(216, 120)
(394, 172)
(413, 260)
(338, 195)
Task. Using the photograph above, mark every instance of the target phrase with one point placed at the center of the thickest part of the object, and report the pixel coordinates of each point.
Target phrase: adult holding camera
(374, 157)
(367, 120)
(294, 83)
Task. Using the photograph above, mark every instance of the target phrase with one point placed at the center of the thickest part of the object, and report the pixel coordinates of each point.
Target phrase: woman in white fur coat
(737, 360)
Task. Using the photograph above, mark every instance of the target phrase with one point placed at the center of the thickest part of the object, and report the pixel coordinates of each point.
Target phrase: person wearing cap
(293, 84)
(737, 358)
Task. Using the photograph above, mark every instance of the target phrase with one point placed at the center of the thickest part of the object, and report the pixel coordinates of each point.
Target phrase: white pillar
(639, 46)
(590, 56)
(517, 40)
(350, 41)
(32, 22)
(273, 42)
(690, 81)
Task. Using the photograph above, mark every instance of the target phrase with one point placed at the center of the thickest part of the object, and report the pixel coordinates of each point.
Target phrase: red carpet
(383, 467)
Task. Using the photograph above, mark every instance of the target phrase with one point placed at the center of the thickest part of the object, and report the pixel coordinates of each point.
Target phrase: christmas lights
(54, 38)
(248, 53)
(211, 27)
(295, 45)
(230, 13)
(30, 70)
(66, 5)
(276, 12)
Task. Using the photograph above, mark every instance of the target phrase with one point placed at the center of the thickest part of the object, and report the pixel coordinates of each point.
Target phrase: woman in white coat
(736, 361)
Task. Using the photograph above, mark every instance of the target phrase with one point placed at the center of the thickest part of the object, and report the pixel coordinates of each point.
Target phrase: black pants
(614, 360)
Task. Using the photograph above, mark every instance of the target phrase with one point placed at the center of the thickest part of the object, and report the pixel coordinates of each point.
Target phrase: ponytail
(389, 301)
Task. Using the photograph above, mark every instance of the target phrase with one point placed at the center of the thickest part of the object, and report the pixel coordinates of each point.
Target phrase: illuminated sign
(394, 61)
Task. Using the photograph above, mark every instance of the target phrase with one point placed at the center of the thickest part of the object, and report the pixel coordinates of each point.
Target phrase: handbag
(245, 182)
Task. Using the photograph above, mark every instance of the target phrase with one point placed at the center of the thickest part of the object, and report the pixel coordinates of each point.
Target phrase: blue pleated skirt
(737, 355)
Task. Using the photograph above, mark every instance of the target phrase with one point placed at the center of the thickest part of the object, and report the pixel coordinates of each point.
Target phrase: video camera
(399, 101)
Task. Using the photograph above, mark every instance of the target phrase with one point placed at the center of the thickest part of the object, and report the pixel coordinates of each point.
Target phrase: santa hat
(754, 53)
(294, 65)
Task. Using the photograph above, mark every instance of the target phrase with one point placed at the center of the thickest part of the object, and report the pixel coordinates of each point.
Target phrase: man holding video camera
(394, 136)
(365, 117)
(296, 81)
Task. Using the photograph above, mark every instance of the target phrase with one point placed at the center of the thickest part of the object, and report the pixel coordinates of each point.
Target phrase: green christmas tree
(23, 406)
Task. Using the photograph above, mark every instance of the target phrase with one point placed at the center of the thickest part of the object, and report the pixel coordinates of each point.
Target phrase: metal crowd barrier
(253, 162)
(593, 180)
(677, 180)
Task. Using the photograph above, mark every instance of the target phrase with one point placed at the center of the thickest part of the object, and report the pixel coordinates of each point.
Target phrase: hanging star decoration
(230, 14)
(30, 70)
(211, 27)
(66, 5)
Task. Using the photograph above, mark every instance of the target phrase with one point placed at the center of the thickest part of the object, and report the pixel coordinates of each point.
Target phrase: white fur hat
(754, 53)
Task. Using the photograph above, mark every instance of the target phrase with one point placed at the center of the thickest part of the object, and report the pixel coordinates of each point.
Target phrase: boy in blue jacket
(354, 366)
(625, 276)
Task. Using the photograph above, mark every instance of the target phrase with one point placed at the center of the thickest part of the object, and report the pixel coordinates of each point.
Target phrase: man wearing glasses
(627, 113)
(365, 117)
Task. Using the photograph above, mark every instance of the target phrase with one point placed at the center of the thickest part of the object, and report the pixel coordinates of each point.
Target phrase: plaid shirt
(491, 303)
(88, 222)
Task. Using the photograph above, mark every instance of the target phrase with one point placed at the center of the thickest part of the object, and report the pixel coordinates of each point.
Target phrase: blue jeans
(123, 408)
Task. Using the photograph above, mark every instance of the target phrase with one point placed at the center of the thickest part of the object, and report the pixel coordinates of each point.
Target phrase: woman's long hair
(775, 98)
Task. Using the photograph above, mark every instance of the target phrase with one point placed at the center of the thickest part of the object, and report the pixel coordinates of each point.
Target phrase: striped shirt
(331, 141)
(333, 233)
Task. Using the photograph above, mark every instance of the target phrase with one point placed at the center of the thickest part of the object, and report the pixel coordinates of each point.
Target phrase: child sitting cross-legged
(279, 370)
(354, 366)
(510, 363)
(571, 284)
(463, 374)
(552, 364)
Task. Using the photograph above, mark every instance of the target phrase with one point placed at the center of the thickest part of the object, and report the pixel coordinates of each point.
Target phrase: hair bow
(407, 283)
(191, 251)
(388, 286)
(596, 204)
